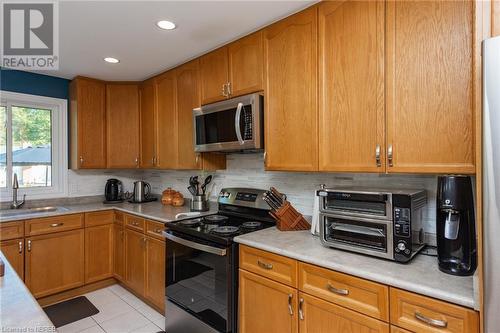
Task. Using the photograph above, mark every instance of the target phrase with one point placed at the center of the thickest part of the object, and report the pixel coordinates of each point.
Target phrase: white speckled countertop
(19, 311)
(421, 275)
(151, 210)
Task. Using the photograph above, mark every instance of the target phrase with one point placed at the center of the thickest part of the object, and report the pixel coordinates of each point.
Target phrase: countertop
(150, 210)
(20, 311)
(421, 275)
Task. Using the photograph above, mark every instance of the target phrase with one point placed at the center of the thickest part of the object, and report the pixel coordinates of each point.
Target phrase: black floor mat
(70, 311)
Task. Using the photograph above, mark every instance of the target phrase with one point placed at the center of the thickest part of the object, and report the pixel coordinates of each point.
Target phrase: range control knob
(401, 246)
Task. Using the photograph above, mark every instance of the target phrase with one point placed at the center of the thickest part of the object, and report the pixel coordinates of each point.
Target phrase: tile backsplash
(247, 170)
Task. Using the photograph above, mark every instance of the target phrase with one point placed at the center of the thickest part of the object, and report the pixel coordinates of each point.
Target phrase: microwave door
(217, 131)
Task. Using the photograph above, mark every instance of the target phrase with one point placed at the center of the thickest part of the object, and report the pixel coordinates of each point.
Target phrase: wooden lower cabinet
(13, 250)
(118, 252)
(98, 253)
(135, 260)
(266, 306)
(55, 262)
(395, 329)
(155, 272)
(318, 316)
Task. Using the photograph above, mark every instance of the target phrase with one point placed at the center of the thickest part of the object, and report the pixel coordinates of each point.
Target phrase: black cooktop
(220, 228)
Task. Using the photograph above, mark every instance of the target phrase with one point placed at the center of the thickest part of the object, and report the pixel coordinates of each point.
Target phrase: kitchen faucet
(15, 186)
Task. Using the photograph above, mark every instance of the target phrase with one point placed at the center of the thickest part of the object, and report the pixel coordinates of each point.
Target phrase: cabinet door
(54, 262)
(246, 68)
(98, 253)
(118, 252)
(13, 250)
(351, 80)
(88, 124)
(395, 329)
(188, 97)
(135, 260)
(148, 125)
(213, 75)
(155, 272)
(265, 305)
(430, 69)
(167, 121)
(318, 316)
(122, 108)
(291, 66)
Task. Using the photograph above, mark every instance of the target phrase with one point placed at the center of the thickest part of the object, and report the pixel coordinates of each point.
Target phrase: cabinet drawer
(135, 223)
(357, 294)
(119, 217)
(11, 230)
(272, 266)
(93, 219)
(423, 314)
(154, 229)
(52, 224)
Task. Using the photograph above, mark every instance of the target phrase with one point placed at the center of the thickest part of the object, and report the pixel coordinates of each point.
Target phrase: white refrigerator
(491, 183)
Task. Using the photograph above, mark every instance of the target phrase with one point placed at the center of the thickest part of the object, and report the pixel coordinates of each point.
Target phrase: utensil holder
(199, 203)
(288, 219)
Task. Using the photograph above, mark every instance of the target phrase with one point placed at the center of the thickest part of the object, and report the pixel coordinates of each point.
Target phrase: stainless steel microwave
(232, 125)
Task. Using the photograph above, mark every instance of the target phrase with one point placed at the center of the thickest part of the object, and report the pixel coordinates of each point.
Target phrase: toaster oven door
(368, 236)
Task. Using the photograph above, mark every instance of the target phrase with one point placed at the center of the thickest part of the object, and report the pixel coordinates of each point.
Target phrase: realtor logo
(30, 35)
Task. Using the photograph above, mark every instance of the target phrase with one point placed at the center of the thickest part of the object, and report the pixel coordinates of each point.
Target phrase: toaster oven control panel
(402, 222)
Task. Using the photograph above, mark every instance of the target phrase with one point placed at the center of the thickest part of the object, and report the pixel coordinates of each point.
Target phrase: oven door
(230, 125)
(199, 280)
(368, 236)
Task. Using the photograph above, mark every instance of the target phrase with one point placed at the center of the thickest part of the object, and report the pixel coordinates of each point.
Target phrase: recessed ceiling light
(111, 60)
(165, 25)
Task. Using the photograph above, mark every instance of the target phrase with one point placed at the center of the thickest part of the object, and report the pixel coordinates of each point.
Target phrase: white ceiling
(92, 30)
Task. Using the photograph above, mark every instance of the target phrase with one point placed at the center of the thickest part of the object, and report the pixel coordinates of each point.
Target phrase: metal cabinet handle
(290, 308)
(430, 321)
(158, 231)
(224, 90)
(29, 245)
(137, 161)
(301, 312)
(229, 91)
(377, 156)
(81, 160)
(20, 246)
(135, 224)
(264, 265)
(54, 225)
(389, 155)
(343, 292)
(265, 157)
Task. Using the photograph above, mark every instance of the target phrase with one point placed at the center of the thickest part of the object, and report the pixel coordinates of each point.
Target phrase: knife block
(288, 219)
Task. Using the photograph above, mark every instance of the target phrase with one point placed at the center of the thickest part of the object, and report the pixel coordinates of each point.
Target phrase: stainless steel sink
(8, 213)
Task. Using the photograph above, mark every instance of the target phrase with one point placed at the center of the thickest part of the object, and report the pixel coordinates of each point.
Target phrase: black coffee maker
(455, 226)
(113, 191)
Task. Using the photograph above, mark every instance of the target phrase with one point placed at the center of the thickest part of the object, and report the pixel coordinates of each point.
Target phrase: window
(33, 145)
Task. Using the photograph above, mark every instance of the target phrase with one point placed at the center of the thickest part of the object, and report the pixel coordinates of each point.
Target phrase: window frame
(59, 145)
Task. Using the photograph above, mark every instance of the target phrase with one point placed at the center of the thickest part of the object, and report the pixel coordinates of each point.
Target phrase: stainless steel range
(202, 263)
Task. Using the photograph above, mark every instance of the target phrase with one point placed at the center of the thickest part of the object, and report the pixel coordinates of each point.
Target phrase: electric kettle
(142, 191)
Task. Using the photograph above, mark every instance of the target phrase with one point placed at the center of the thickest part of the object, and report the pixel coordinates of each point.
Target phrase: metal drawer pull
(29, 246)
(290, 309)
(301, 312)
(20, 246)
(430, 321)
(135, 224)
(334, 290)
(264, 265)
(53, 225)
(158, 231)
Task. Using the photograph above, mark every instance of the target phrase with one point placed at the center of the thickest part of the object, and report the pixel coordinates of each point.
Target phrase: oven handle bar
(194, 245)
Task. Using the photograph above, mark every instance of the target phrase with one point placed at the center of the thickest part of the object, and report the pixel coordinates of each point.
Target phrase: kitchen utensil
(287, 218)
(199, 203)
(205, 183)
(192, 190)
(142, 190)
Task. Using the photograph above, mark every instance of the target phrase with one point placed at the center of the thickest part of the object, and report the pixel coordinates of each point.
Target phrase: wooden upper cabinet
(188, 98)
(148, 125)
(88, 124)
(166, 121)
(214, 75)
(351, 86)
(430, 72)
(291, 67)
(246, 65)
(322, 316)
(122, 109)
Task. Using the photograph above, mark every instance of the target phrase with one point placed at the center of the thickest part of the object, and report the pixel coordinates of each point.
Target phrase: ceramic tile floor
(119, 312)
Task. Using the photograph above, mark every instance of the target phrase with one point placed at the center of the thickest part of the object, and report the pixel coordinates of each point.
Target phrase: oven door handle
(194, 245)
(237, 123)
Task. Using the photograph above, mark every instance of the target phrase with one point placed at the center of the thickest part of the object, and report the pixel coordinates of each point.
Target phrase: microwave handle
(237, 123)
